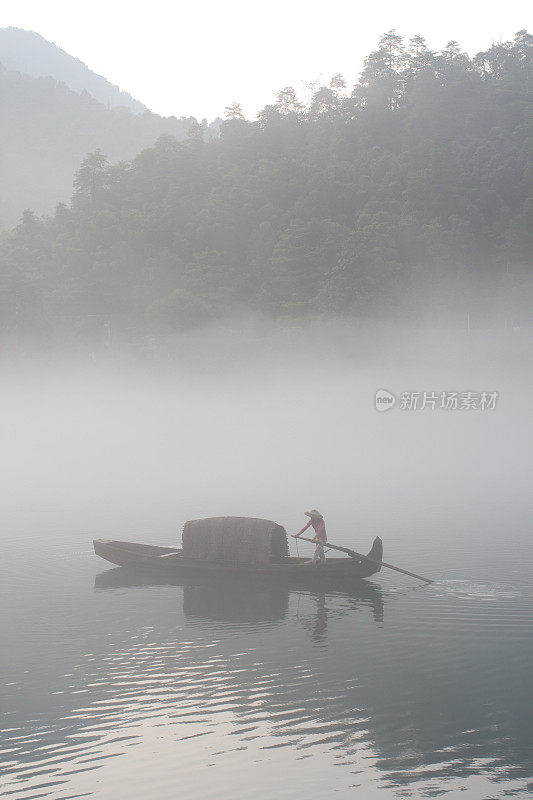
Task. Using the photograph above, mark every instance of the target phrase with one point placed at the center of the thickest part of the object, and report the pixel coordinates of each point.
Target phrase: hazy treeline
(411, 190)
(46, 129)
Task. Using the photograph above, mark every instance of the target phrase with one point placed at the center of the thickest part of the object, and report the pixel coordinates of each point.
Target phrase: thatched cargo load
(235, 540)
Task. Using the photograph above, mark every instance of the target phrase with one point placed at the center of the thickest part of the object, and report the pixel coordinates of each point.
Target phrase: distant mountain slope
(31, 54)
(46, 130)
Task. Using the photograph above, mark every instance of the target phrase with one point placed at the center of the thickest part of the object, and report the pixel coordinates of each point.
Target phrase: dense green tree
(93, 176)
(383, 72)
(233, 111)
(287, 103)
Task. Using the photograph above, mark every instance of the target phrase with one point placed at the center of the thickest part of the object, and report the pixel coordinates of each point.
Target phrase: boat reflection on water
(254, 677)
(242, 598)
(404, 697)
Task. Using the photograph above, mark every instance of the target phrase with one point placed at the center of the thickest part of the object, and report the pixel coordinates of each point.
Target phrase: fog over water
(116, 689)
(265, 424)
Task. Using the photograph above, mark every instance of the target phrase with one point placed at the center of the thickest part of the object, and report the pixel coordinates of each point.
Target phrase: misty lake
(116, 686)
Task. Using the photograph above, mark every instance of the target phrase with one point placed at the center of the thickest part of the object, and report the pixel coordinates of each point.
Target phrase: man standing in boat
(317, 521)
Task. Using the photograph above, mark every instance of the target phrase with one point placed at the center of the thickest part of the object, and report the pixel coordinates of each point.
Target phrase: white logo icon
(384, 400)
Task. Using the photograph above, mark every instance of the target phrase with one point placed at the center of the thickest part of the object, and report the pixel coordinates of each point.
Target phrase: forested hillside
(408, 194)
(46, 129)
(29, 53)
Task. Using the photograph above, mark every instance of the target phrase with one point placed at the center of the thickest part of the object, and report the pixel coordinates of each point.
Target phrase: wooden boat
(237, 545)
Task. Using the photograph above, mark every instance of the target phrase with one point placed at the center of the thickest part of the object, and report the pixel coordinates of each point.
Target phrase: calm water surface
(117, 687)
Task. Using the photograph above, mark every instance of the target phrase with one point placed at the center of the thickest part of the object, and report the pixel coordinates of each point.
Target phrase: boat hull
(169, 560)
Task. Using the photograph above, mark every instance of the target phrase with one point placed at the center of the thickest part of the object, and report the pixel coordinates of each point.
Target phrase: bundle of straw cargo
(235, 540)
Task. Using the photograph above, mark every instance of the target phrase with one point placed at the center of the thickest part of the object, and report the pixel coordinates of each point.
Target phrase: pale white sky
(195, 58)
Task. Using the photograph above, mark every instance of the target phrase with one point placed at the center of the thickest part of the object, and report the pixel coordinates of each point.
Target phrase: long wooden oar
(353, 554)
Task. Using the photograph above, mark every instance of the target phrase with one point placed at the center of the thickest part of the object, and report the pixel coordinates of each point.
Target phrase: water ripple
(426, 699)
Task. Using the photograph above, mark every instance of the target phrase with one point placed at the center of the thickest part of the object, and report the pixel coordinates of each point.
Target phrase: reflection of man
(321, 621)
(320, 537)
(317, 623)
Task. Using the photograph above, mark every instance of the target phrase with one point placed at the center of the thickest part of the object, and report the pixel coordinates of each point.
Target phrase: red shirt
(319, 527)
